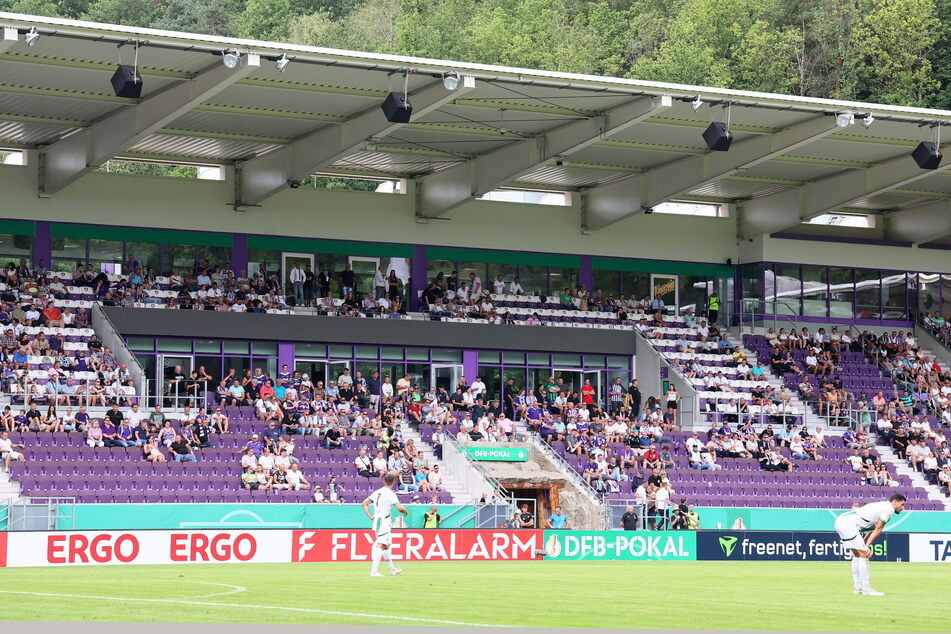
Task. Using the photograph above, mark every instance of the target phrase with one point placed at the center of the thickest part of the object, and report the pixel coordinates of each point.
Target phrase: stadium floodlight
(281, 63)
(31, 36)
(450, 80)
(868, 120)
(696, 103)
(844, 119)
(231, 58)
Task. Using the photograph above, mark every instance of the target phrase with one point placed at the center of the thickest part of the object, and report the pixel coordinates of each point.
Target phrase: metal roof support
(70, 158)
(787, 209)
(269, 173)
(611, 203)
(449, 188)
(922, 224)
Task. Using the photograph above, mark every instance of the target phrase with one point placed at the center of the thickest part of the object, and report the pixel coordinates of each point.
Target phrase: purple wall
(418, 275)
(586, 272)
(239, 256)
(285, 355)
(43, 243)
(470, 364)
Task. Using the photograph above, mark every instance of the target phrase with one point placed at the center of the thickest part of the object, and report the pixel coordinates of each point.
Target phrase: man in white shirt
(295, 478)
(477, 389)
(868, 520)
(515, 288)
(384, 500)
(379, 283)
(498, 286)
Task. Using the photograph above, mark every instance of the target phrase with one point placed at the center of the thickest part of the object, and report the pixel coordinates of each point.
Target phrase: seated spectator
(94, 436)
(8, 451)
(151, 451)
(181, 450)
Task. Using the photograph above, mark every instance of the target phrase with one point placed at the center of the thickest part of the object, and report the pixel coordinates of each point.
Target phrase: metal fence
(38, 514)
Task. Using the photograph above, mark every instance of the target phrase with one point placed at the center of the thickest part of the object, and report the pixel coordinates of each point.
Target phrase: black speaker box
(397, 108)
(927, 156)
(127, 82)
(718, 137)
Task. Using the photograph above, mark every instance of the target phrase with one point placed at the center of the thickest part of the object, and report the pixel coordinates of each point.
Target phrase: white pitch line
(411, 619)
(234, 589)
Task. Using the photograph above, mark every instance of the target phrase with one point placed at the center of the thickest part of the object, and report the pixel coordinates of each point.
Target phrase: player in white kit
(384, 500)
(858, 528)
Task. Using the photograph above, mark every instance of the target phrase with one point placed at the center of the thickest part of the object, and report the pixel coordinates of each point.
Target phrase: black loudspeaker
(397, 108)
(927, 156)
(718, 137)
(127, 82)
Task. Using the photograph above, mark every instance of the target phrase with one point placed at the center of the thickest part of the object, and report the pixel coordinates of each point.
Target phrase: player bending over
(384, 500)
(866, 521)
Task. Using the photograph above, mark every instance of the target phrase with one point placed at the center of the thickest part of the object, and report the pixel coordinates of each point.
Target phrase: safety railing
(39, 513)
(645, 514)
(589, 491)
(175, 394)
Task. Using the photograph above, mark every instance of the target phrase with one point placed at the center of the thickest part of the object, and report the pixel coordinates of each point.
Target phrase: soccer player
(858, 528)
(384, 500)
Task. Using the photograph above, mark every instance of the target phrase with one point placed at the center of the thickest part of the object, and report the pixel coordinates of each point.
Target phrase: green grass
(678, 595)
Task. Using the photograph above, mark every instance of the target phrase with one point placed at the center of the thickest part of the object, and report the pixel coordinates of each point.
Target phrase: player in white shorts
(860, 527)
(384, 500)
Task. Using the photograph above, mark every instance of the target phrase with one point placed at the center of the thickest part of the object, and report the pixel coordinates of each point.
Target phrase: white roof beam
(449, 188)
(923, 224)
(787, 209)
(269, 173)
(611, 203)
(70, 158)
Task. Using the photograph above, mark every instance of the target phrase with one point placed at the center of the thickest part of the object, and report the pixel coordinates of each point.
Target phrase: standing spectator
(432, 518)
(297, 278)
(615, 396)
(557, 520)
(379, 283)
(347, 280)
(525, 518)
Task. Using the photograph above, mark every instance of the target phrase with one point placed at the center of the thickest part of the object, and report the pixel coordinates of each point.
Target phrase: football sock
(863, 572)
(389, 559)
(377, 555)
(856, 575)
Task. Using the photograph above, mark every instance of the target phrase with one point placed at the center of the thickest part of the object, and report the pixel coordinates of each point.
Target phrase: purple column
(586, 273)
(418, 276)
(239, 256)
(285, 356)
(470, 364)
(43, 244)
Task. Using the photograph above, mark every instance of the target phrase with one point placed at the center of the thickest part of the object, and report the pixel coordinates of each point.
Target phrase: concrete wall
(850, 255)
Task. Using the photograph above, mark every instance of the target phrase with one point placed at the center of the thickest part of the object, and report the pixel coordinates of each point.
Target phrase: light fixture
(844, 119)
(868, 120)
(31, 36)
(281, 62)
(648, 210)
(696, 103)
(450, 80)
(231, 58)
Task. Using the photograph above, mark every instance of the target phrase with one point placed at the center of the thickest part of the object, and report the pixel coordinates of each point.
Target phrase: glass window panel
(867, 293)
(366, 368)
(179, 256)
(341, 352)
(237, 347)
(507, 271)
(367, 352)
(535, 358)
(567, 360)
(563, 277)
(489, 357)
(394, 371)
(517, 375)
(418, 376)
(215, 257)
(946, 296)
(788, 289)
(256, 257)
(392, 354)
(310, 350)
(146, 344)
(594, 361)
(815, 291)
(447, 356)
(106, 252)
(491, 375)
(175, 345)
(268, 349)
(693, 293)
(205, 346)
(67, 253)
(212, 365)
(268, 364)
(534, 279)
(516, 358)
(146, 253)
(435, 267)
(238, 364)
(619, 363)
(841, 293)
(636, 284)
(14, 248)
(417, 354)
(893, 295)
(608, 282)
(467, 268)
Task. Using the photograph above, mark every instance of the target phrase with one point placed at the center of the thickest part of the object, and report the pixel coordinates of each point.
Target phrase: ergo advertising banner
(83, 548)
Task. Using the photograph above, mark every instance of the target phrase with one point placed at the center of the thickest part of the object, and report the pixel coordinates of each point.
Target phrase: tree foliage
(893, 51)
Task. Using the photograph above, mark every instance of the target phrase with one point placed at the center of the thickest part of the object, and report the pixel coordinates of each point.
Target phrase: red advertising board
(418, 545)
(3, 550)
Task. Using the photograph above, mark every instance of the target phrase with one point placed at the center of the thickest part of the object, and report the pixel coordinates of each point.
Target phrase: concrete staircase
(901, 467)
(9, 488)
(460, 495)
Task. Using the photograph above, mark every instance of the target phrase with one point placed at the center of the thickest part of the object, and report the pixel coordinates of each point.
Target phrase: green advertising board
(621, 545)
(239, 516)
(494, 452)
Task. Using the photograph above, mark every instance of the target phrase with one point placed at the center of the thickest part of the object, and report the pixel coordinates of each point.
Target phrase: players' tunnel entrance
(541, 498)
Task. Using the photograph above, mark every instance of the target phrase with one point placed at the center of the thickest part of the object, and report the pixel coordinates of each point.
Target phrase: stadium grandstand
(244, 272)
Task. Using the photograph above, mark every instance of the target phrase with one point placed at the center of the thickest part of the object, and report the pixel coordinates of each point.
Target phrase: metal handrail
(53, 515)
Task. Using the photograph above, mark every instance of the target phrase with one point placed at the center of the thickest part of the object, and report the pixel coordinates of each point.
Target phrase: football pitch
(669, 595)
